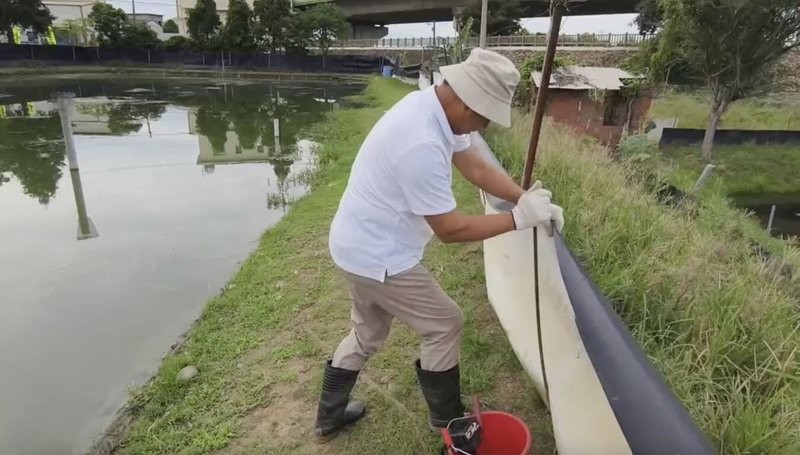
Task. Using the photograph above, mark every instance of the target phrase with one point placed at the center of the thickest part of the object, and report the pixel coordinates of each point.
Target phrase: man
(399, 194)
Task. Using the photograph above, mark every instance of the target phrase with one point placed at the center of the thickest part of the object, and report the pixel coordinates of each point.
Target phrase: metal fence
(581, 40)
(11, 55)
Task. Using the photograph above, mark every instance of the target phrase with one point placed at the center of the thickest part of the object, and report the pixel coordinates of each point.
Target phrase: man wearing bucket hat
(398, 196)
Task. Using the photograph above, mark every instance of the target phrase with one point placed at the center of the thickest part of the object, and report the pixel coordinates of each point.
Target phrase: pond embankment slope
(261, 344)
(718, 321)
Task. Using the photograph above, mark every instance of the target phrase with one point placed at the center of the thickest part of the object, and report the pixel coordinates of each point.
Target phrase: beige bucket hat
(485, 82)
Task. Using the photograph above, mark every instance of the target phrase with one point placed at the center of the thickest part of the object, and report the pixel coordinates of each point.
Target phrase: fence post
(771, 220)
(148, 56)
(626, 38)
(31, 47)
(97, 52)
(73, 54)
(609, 40)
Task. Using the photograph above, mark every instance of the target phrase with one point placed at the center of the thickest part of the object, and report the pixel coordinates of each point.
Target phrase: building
(598, 102)
(69, 10)
(183, 7)
(146, 18)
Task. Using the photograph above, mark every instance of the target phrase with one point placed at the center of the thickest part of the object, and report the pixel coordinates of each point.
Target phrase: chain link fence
(540, 40)
(12, 55)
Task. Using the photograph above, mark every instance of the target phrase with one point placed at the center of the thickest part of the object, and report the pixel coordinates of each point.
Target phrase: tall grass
(720, 323)
(692, 109)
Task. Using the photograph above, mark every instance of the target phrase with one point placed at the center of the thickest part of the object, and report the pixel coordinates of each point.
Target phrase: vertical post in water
(541, 98)
(771, 220)
(222, 53)
(86, 229)
(701, 182)
(484, 19)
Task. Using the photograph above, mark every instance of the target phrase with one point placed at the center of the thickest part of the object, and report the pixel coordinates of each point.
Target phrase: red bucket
(503, 434)
(500, 434)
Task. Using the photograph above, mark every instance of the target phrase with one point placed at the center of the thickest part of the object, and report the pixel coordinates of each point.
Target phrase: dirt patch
(287, 418)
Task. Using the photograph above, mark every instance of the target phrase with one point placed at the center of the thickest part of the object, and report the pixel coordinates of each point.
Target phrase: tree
(177, 43)
(203, 22)
(24, 13)
(734, 44)
(504, 17)
(171, 27)
(273, 21)
(326, 23)
(650, 16)
(140, 36)
(238, 31)
(75, 31)
(110, 24)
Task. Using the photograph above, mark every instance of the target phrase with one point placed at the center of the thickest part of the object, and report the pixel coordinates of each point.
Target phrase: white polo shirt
(402, 173)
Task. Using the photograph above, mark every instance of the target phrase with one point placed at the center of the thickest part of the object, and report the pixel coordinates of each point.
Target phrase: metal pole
(484, 18)
(544, 86)
(86, 229)
(771, 219)
(701, 182)
(133, 6)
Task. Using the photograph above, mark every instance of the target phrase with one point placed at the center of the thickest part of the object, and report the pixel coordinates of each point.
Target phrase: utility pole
(484, 19)
(86, 228)
(133, 6)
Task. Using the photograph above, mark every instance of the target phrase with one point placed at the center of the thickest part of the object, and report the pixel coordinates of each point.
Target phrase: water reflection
(180, 179)
(786, 220)
(234, 123)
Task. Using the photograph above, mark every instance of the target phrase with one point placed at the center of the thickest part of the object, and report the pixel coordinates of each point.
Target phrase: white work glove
(535, 209)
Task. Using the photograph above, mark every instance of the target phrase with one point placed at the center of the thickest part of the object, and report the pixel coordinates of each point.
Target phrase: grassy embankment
(719, 323)
(745, 168)
(260, 345)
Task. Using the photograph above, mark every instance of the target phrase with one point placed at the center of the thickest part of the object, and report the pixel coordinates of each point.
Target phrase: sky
(611, 23)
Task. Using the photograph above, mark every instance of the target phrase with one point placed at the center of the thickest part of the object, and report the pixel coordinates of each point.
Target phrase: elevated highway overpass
(384, 12)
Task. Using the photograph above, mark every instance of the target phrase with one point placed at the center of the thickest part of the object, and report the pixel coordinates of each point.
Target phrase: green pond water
(786, 219)
(105, 265)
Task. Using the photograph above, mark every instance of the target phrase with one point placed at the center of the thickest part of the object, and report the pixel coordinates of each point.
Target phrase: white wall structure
(67, 10)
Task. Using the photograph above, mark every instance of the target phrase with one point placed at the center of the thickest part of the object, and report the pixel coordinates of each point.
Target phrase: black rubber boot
(335, 411)
(442, 392)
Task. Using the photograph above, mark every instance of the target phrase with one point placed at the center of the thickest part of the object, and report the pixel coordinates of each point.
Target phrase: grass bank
(743, 168)
(719, 322)
(692, 109)
(260, 345)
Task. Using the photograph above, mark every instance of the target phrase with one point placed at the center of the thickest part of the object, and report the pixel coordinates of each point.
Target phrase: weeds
(718, 322)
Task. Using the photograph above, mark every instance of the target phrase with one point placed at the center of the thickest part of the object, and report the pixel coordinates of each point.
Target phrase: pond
(786, 222)
(105, 265)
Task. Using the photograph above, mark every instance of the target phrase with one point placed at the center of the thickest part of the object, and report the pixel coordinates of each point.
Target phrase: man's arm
(456, 227)
(485, 176)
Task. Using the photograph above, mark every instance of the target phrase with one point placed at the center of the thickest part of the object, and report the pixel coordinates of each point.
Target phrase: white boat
(604, 395)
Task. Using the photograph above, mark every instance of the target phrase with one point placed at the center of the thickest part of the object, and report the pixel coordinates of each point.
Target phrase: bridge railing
(538, 40)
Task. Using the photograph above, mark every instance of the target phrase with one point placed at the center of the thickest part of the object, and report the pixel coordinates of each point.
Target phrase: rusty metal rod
(541, 98)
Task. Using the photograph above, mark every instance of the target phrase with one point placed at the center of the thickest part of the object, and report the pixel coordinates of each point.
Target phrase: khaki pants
(414, 298)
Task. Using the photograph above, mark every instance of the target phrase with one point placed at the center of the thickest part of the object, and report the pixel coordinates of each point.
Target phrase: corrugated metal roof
(585, 78)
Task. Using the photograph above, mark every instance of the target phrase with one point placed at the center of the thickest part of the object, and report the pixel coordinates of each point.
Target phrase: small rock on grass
(187, 373)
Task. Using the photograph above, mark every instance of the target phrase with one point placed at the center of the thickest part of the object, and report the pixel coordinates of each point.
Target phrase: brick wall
(580, 112)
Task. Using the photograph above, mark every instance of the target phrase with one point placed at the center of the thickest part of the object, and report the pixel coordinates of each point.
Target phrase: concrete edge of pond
(55, 72)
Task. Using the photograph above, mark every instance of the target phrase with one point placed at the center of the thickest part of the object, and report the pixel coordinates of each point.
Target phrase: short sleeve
(462, 143)
(424, 176)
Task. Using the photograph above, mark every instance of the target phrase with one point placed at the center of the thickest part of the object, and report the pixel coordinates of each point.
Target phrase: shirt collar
(441, 118)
